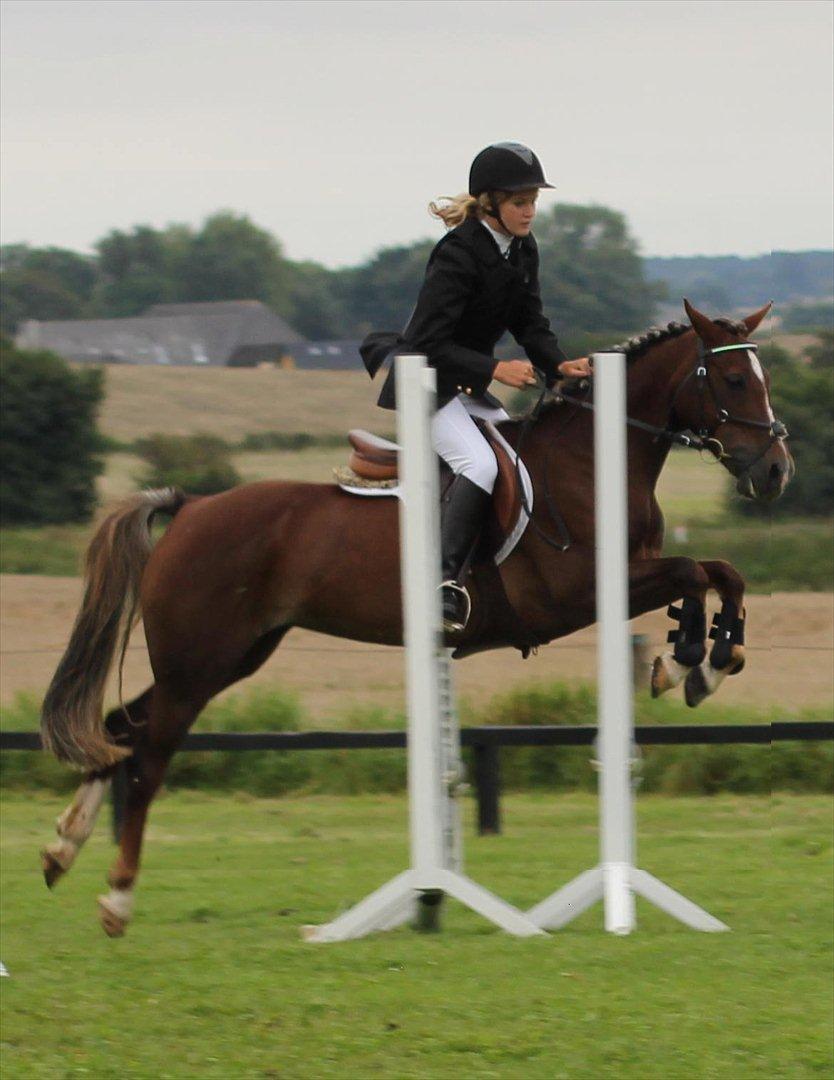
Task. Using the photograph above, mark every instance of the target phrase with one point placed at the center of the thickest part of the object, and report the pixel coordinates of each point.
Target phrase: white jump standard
(434, 770)
(615, 879)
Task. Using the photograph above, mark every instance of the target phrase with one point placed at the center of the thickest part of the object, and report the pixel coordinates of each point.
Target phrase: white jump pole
(432, 759)
(615, 879)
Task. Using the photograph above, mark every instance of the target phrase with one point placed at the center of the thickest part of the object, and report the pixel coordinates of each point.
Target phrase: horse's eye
(735, 382)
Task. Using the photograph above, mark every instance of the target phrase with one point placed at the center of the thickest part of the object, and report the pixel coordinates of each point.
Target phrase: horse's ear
(703, 325)
(752, 321)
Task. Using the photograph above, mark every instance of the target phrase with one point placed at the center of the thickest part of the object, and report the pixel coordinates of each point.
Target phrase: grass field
(214, 981)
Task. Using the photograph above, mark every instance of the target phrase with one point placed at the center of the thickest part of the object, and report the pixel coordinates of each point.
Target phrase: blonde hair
(457, 208)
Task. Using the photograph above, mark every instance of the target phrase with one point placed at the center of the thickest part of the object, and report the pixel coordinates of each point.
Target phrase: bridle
(702, 438)
(699, 439)
(700, 373)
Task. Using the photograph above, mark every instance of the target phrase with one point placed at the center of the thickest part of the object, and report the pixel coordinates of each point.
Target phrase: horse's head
(725, 397)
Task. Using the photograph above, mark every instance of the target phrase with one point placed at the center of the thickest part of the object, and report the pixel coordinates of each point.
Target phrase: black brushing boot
(462, 513)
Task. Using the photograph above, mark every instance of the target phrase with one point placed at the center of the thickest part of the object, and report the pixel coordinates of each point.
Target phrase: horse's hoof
(52, 869)
(695, 687)
(112, 924)
(660, 681)
(737, 660)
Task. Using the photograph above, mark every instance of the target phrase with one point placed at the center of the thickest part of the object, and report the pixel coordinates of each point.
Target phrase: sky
(332, 124)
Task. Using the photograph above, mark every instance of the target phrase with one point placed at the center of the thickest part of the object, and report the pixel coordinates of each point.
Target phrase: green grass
(785, 556)
(55, 550)
(213, 979)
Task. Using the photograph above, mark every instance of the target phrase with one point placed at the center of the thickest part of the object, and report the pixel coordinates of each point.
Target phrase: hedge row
(695, 770)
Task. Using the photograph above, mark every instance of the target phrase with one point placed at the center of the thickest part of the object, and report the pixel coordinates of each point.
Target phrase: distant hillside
(727, 282)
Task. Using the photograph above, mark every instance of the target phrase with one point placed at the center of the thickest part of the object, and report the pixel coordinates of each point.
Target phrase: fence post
(615, 879)
(488, 787)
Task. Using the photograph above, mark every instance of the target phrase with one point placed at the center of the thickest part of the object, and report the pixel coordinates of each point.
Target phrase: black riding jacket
(470, 296)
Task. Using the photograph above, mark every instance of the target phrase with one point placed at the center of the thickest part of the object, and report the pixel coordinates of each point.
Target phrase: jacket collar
(482, 245)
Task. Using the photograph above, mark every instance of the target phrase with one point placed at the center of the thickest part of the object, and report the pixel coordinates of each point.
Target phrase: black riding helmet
(505, 166)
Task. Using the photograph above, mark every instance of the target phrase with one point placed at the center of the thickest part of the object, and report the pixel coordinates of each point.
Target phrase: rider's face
(518, 212)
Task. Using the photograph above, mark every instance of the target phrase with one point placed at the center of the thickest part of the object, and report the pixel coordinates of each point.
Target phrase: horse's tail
(72, 724)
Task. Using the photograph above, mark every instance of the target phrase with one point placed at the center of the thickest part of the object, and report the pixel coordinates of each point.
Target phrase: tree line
(592, 276)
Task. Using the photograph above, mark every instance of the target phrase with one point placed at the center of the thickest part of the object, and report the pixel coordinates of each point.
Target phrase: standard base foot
(394, 902)
(615, 883)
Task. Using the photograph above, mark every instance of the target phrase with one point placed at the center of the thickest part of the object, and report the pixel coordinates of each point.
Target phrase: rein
(702, 439)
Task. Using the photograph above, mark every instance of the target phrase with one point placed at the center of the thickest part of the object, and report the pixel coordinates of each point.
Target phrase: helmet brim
(528, 187)
(518, 187)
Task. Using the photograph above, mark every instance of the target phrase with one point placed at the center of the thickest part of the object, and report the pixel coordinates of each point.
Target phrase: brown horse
(234, 572)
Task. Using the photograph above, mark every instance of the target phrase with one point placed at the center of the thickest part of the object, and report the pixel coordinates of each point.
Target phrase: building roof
(207, 334)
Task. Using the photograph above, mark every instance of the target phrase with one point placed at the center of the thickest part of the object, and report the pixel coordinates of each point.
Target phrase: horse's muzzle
(766, 478)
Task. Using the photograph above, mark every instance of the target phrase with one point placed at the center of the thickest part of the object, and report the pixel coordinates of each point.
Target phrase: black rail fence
(485, 742)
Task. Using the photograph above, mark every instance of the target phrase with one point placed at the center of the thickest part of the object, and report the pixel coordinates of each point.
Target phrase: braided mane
(638, 344)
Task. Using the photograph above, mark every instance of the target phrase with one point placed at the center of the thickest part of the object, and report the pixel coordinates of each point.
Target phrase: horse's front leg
(727, 654)
(654, 583)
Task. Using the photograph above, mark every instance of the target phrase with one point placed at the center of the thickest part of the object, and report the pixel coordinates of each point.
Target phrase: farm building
(222, 333)
(325, 356)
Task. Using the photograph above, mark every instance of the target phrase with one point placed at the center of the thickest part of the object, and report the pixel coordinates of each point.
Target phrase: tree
(48, 440)
(43, 283)
(316, 301)
(381, 293)
(591, 272)
(231, 258)
(821, 355)
(135, 271)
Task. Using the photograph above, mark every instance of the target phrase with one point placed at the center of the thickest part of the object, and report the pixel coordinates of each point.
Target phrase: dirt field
(235, 402)
(791, 636)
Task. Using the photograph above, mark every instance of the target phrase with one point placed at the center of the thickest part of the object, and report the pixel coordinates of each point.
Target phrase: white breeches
(458, 441)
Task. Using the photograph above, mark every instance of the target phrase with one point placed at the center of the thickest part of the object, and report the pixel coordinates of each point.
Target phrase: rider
(481, 280)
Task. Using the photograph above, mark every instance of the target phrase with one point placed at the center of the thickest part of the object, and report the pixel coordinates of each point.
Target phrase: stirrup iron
(448, 625)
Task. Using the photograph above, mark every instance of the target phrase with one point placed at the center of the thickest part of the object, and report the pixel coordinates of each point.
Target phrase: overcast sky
(708, 124)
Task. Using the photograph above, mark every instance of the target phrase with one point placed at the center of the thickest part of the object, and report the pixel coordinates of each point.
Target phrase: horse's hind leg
(727, 654)
(170, 717)
(169, 720)
(74, 826)
(76, 823)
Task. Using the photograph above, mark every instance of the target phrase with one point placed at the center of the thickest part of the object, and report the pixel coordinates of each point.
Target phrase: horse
(234, 572)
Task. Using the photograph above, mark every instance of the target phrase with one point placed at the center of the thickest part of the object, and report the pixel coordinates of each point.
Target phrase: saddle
(374, 458)
(373, 469)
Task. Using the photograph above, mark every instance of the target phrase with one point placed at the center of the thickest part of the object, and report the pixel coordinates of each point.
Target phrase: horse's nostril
(775, 474)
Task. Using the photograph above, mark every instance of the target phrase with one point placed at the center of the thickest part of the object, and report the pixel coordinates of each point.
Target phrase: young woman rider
(481, 280)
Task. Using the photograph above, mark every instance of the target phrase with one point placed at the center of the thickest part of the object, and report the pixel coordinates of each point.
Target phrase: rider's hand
(576, 369)
(516, 373)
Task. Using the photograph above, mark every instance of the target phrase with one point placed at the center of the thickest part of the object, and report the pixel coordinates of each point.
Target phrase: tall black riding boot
(462, 513)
